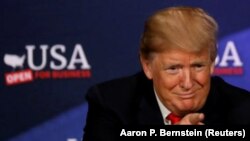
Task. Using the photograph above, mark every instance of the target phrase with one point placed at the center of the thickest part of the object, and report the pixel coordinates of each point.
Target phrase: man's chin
(187, 108)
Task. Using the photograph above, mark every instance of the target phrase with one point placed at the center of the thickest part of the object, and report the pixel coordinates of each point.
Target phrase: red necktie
(173, 118)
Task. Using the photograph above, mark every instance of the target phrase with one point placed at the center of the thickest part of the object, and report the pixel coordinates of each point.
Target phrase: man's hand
(192, 119)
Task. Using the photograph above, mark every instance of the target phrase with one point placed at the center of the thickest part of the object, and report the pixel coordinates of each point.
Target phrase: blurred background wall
(53, 51)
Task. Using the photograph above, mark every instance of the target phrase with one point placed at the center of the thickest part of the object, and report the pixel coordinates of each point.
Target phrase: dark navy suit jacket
(130, 101)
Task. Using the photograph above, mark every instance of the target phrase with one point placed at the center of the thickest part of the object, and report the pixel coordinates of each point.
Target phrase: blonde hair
(188, 28)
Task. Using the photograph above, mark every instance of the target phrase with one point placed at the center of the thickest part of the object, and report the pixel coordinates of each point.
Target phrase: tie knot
(173, 118)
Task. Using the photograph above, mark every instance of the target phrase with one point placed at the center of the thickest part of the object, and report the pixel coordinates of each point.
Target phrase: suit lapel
(214, 108)
(148, 109)
(149, 113)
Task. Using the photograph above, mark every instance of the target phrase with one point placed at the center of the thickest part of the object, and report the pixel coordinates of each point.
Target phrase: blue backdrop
(53, 51)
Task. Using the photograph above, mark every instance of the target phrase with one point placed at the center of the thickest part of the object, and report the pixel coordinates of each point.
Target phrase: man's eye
(172, 70)
(199, 67)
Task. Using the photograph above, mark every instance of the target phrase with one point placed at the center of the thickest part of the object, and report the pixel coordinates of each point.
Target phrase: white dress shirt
(164, 111)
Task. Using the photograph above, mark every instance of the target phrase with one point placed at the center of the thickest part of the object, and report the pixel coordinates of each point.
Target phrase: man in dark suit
(177, 54)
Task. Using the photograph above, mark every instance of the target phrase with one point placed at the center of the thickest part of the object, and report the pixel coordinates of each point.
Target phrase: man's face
(181, 79)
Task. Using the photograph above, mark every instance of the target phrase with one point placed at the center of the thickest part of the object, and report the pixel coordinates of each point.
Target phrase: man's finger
(196, 118)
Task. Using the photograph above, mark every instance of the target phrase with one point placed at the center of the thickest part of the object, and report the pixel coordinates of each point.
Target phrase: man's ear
(212, 68)
(146, 66)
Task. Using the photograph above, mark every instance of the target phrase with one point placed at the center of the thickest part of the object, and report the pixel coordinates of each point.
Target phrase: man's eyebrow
(172, 65)
(200, 62)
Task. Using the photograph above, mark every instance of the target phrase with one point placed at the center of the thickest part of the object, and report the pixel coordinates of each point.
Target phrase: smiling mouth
(186, 96)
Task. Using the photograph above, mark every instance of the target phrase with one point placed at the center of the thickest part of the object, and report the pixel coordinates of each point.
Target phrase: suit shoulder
(230, 101)
(120, 95)
(118, 83)
(228, 90)
(118, 88)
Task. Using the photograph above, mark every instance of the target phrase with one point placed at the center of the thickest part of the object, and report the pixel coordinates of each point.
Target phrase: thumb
(196, 118)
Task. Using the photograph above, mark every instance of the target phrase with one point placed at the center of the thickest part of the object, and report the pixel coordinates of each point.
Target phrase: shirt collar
(164, 111)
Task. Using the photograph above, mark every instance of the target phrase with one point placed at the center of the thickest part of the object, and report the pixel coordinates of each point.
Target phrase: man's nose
(187, 80)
